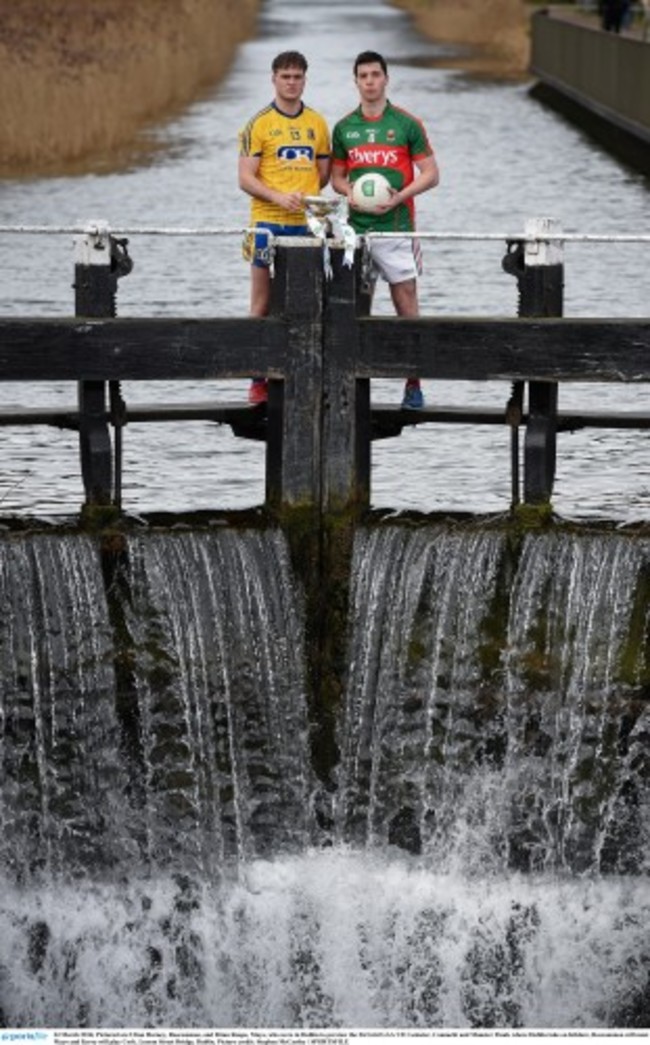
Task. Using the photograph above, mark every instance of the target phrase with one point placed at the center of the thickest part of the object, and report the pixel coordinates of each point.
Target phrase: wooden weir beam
(452, 348)
(446, 348)
(250, 422)
(79, 349)
(319, 349)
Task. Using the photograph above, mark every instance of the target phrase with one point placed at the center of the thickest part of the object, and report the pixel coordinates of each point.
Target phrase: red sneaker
(258, 392)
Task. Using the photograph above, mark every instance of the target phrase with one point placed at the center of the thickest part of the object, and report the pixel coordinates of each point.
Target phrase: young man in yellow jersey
(284, 155)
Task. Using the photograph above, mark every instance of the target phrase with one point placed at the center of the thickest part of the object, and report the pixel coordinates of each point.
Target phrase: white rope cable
(77, 230)
(523, 237)
(564, 237)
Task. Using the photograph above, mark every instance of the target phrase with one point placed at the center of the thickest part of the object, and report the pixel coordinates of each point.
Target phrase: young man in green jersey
(378, 136)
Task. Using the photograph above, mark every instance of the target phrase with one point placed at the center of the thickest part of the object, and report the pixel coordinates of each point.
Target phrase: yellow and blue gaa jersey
(288, 148)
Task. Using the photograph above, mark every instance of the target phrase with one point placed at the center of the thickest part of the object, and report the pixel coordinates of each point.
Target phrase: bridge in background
(599, 80)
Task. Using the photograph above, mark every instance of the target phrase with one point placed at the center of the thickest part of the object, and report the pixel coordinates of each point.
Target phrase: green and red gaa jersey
(387, 144)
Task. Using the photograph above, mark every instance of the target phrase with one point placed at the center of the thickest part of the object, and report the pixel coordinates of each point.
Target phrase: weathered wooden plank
(468, 349)
(573, 421)
(447, 348)
(387, 420)
(95, 443)
(541, 294)
(95, 296)
(293, 448)
(208, 410)
(140, 349)
(34, 415)
(346, 413)
(540, 448)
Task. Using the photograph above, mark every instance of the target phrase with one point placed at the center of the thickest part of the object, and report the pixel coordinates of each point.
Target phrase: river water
(503, 159)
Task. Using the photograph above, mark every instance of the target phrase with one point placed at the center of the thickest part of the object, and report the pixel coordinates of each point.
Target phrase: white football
(371, 191)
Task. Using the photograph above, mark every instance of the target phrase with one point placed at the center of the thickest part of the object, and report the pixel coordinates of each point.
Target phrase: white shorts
(395, 260)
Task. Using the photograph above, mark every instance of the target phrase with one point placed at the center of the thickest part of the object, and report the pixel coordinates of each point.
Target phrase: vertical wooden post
(296, 453)
(318, 417)
(346, 410)
(293, 466)
(541, 294)
(95, 286)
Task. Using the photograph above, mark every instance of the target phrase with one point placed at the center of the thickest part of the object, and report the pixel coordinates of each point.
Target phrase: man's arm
(340, 180)
(324, 165)
(427, 177)
(250, 182)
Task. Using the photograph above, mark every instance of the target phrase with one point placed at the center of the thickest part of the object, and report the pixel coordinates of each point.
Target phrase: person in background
(613, 14)
(627, 20)
(284, 155)
(379, 136)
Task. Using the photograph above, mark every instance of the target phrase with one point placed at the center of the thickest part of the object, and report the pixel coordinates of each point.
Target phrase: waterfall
(577, 716)
(419, 600)
(487, 749)
(61, 765)
(219, 680)
(487, 864)
(165, 729)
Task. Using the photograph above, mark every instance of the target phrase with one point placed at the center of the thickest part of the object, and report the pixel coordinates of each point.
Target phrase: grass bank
(79, 79)
(496, 31)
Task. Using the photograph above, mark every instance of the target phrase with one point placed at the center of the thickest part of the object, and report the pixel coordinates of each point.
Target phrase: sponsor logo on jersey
(296, 153)
(353, 135)
(376, 157)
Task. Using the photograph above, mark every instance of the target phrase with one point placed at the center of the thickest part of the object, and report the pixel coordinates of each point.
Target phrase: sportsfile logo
(44, 1037)
(296, 153)
(374, 157)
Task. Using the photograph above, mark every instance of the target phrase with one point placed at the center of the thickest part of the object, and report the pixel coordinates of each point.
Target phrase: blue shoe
(413, 398)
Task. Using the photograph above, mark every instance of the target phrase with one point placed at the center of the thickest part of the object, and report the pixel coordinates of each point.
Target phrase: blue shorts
(261, 252)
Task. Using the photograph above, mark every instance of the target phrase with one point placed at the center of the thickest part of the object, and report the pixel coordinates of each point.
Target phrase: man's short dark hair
(368, 58)
(289, 60)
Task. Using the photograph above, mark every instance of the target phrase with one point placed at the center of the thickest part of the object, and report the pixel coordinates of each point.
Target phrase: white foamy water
(334, 938)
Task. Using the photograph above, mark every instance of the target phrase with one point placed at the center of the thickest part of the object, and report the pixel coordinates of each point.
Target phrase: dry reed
(498, 30)
(80, 78)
